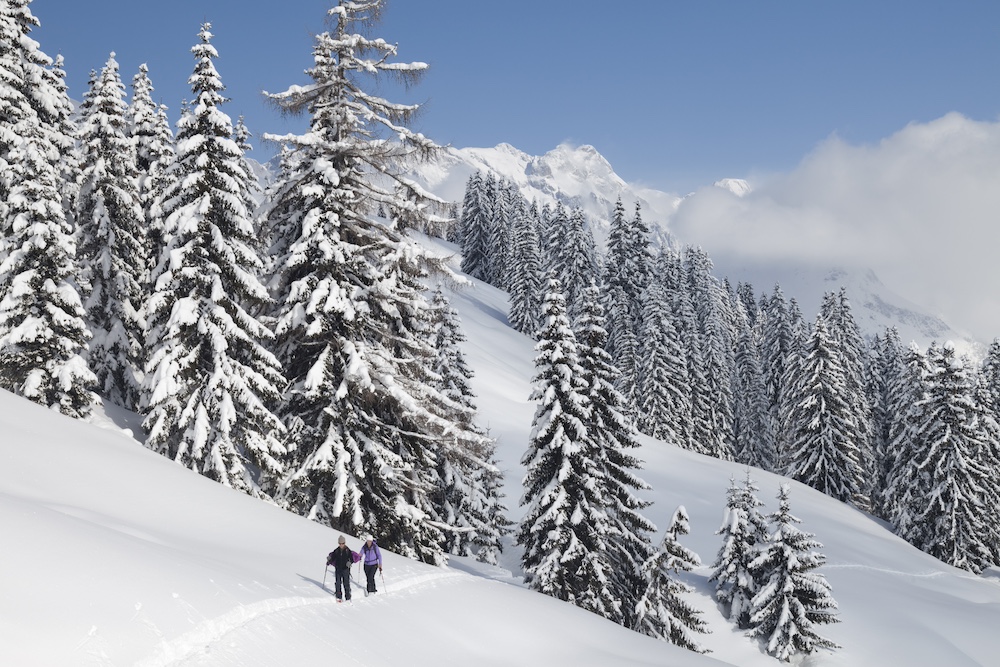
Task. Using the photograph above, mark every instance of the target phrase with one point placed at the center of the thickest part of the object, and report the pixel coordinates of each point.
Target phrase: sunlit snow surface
(112, 555)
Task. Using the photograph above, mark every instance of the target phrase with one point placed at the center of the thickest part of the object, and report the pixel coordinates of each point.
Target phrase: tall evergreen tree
(906, 486)
(352, 323)
(43, 335)
(753, 437)
(665, 407)
(844, 330)
(475, 228)
(565, 526)
(113, 242)
(822, 424)
(956, 511)
(210, 383)
(525, 271)
(793, 599)
(661, 611)
(613, 435)
(42, 329)
(154, 151)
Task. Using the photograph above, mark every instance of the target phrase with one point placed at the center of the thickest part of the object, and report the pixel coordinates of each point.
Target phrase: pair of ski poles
(326, 571)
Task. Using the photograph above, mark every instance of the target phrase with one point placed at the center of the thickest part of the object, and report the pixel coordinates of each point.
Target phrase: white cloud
(922, 208)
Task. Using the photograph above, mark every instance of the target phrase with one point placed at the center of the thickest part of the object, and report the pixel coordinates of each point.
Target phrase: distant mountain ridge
(579, 176)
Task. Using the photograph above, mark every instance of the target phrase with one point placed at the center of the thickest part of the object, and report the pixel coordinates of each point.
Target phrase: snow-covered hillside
(112, 555)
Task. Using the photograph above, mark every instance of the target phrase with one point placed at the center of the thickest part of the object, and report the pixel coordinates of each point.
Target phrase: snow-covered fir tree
(43, 334)
(665, 407)
(713, 411)
(753, 437)
(504, 199)
(525, 271)
(989, 379)
(662, 611)
(154, 151)
(211, 383)
(474, 228)
(743, 529)
(793, 598)
(56, 114)
(112, 249)
(565, 527)
(613, 435)
(906, 485)
(957, 511)
(885, 366)
(468, 498)
(836, 310)
(821, 424)
(351, 319)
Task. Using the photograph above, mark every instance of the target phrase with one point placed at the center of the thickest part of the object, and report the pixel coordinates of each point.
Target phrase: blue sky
(675, 94)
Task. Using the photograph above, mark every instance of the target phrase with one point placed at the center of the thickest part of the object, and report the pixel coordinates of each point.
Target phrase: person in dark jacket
(342, 558)
(372, 560)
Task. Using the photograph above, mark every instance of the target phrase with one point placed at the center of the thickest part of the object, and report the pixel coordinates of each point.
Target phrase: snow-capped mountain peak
(737, 186)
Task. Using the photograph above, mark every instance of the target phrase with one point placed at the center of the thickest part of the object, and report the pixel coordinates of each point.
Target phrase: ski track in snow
(214, 630)
(922, 575)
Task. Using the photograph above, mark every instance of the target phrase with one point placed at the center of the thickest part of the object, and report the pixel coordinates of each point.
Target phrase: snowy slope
(112, 555)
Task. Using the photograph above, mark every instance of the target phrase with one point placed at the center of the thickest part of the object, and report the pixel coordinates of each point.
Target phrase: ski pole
(382, 574)
(325, 570)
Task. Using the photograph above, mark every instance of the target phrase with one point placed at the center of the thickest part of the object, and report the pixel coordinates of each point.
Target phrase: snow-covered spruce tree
(665, 407)
(59, 125)
(836, 310)
(468, 499)
(886, 365)
(628, 263)
(499, 234)
(686, 325)
(112, 249)
(821, 424)
(525, 271)
(743, 529)
(565, 528)
(42, 330)
(714, 410)
(662, 612)
(154, 150)
(793, 599)
(622, 345)
(906, 486)
(580, 265)
(474, 228)
(989, 379)
(43, 334)
(352, 323)
(210, 382)
(754, 439)
(958, 509)
(613, 434)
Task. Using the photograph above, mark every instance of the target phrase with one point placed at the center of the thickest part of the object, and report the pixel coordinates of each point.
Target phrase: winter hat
(341, 540)
(368, 538)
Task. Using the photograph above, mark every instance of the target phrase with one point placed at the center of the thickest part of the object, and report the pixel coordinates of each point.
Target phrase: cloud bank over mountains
(921, 207)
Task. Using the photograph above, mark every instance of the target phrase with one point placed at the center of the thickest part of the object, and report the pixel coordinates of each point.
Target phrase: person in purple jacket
(372, 558)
